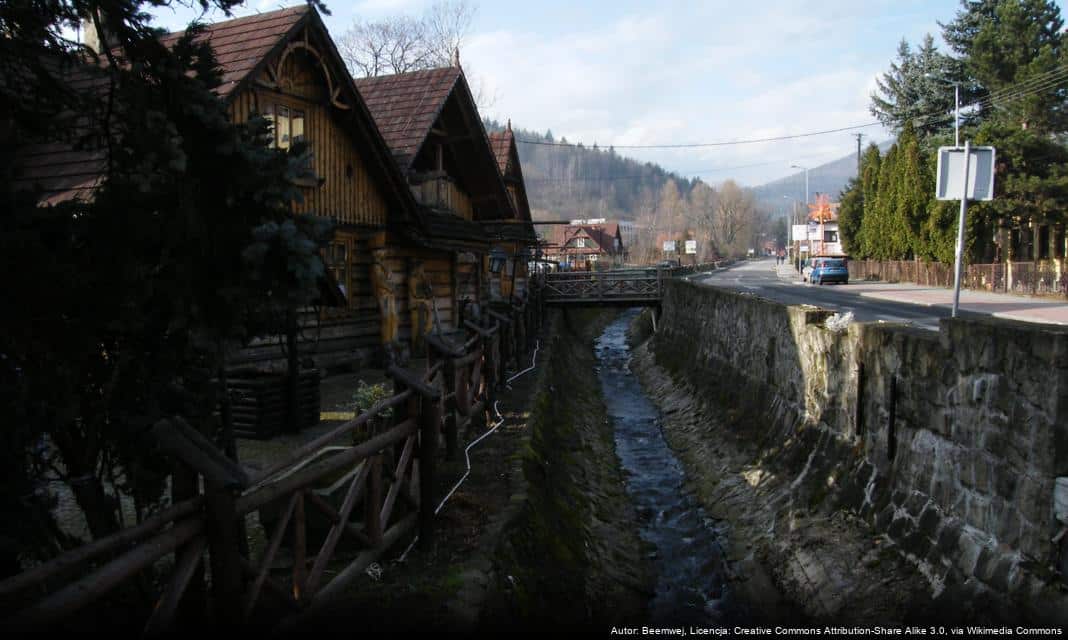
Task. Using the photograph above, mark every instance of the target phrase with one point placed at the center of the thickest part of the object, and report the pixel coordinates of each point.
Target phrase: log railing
(384, 489)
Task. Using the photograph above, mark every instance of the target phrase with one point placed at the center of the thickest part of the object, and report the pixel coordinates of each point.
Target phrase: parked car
(825, 270)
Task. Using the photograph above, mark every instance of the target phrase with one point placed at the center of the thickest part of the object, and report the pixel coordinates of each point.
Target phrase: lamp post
(797, 166)
(956, 104)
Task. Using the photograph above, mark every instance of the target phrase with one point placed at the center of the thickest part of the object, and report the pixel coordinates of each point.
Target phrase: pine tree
(125, 301)
(914, 92)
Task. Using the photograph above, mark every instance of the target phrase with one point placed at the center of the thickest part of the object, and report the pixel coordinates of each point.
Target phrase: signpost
(691, 247)
(964, 174)
(669, 246)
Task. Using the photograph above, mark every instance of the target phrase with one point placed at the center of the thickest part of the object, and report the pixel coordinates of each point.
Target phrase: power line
(1037, 83)
(638, 176)
(696, 145)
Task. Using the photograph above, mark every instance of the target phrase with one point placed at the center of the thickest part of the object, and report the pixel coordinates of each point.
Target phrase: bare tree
(448, 23)
(734, 219)
(406, 43)
(702, 217)
(394, 45)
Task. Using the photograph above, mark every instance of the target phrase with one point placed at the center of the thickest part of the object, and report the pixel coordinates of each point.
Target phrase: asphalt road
(759, 278)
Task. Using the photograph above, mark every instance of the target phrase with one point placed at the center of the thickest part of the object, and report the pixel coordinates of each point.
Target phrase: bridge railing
(382, 488)
(616, 285)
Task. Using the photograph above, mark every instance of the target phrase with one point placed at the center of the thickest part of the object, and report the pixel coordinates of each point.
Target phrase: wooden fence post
(185, 485)
(452, 444)
(372, 502)
(226, 576)
(429, 423)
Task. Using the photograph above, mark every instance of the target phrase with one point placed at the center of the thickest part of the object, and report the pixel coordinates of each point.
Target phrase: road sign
(691, 246)
(799, 232)
(948, 185)
(669, 245)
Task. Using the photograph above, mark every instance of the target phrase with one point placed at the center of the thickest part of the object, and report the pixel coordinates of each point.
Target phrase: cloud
(688, 76)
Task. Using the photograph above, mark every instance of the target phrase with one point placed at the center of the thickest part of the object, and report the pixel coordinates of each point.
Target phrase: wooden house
(513, 237)
(585, 246)
(431, 123)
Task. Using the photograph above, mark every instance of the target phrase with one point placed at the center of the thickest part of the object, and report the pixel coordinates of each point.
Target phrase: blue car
(828, 270)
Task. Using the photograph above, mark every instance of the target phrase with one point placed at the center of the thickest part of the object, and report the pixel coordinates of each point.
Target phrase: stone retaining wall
(950, 443)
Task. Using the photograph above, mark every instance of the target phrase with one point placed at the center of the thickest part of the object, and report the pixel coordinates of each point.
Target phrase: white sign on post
(691, 246)
(950, 181)
(669, 245)
(799, 232)
(964, 174)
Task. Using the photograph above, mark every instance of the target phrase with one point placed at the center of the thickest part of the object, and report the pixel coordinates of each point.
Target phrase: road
(759, 277)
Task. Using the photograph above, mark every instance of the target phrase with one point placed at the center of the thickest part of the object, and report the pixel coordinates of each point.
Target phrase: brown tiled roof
(240, 44)
(58, 167)
(560, 235)
(501, 142)
(405, 106)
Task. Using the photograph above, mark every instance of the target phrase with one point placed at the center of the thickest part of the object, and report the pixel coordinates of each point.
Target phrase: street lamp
(797, 166)
(956, 104)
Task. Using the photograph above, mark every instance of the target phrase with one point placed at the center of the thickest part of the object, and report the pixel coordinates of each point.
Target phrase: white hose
(467, 457)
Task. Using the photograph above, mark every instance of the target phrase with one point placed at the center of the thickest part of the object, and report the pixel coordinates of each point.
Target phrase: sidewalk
(1000, 305)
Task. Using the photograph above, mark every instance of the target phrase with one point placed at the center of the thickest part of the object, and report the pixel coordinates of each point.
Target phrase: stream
(691, 587)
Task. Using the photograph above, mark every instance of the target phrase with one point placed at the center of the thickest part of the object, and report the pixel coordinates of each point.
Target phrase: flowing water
(690, 588)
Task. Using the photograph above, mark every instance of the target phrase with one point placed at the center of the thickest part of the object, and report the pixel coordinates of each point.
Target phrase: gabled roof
(507, 154)
(502, 142)
(242, 44)
(604, 236)
(405, 106)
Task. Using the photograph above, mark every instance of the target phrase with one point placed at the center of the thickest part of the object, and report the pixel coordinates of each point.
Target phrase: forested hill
(565, 182)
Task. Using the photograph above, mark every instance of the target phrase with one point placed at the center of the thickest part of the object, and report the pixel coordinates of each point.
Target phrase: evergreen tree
(1003, 44)
(126, 301)
(914, 92)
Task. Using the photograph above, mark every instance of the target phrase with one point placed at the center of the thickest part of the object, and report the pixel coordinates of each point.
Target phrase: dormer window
(288, 125)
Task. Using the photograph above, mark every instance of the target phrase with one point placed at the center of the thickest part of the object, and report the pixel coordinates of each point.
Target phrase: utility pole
(859, 136)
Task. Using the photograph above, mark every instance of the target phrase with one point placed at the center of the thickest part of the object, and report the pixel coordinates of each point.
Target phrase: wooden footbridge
(615, 287)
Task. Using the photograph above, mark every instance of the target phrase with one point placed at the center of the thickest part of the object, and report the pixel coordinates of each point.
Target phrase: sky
(663, 72)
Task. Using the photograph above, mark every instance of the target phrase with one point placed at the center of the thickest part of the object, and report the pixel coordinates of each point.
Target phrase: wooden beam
(413, 381)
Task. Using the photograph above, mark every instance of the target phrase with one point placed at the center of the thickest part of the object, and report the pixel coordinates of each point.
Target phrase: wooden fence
(388, 483)
(1045, 277)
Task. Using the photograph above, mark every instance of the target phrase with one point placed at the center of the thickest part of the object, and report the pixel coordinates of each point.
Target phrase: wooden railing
(389, 479)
